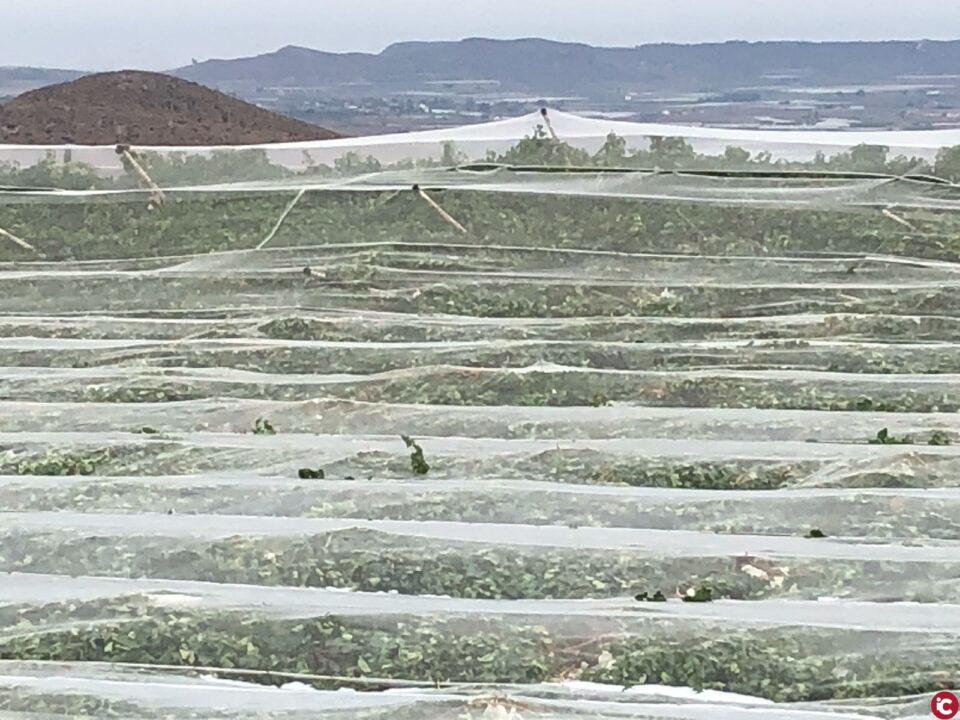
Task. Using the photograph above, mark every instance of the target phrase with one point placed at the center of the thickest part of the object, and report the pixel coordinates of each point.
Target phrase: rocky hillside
(143, 108)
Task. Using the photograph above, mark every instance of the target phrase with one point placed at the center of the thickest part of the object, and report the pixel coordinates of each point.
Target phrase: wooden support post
(19, 241)
(156, 193)
(896, 218)
(546, 120)
(439, 210)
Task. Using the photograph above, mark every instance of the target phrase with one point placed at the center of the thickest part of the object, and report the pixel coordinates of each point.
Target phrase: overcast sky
(162, 34)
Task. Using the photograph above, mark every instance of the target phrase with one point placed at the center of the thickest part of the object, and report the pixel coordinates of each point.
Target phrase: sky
(164, 34)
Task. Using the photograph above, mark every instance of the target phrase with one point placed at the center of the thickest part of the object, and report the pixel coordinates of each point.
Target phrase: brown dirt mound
(141, 108)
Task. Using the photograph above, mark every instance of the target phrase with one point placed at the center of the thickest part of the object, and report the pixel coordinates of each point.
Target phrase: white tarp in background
(475, 141)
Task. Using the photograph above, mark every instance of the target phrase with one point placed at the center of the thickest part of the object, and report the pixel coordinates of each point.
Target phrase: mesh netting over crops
(625, 431)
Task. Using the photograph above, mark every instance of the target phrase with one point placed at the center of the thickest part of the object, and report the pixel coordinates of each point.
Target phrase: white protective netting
(586, 141)
(503, 422)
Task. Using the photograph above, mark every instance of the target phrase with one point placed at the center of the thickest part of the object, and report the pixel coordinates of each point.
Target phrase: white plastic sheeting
(473, 143)
(682, 445)
(476, 141)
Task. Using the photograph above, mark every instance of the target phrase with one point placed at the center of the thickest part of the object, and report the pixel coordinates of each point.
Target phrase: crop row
(373, 561)
(122, 226)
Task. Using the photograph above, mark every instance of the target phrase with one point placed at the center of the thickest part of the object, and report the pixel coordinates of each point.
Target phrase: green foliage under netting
(780, 664)
(332, 492)
(675, 153)
(123, 226)
(49, 173)
(118, 226)
(374, 561)
(503, 268)
(172, 169)
(538, 149)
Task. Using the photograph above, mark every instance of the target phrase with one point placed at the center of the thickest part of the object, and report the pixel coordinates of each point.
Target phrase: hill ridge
(543, 64)
(143, 108)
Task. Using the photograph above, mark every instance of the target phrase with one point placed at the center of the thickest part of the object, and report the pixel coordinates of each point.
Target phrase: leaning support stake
(546, 121)
(896, 218)
(439, 210)
(19, 241)
(156, 193)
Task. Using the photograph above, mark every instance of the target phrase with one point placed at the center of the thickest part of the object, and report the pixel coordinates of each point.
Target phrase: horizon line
(517, 39)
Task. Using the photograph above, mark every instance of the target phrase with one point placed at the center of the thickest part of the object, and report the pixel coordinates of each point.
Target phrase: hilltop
(143, 108)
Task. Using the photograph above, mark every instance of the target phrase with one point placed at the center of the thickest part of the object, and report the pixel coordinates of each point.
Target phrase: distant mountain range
(17, 80)
(545, 67)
